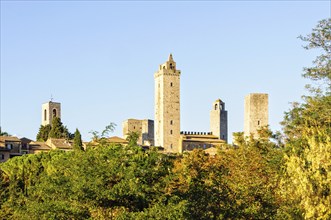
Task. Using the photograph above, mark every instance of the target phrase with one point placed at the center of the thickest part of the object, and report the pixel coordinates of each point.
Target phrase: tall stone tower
(256, 113)
(49, 111)
(167, 106)
(219, 120)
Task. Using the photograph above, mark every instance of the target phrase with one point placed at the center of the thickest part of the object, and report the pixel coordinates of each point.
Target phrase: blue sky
(98, 59)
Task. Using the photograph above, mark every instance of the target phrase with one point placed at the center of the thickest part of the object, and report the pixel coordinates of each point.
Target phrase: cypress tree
(57, 130)
(78, 144)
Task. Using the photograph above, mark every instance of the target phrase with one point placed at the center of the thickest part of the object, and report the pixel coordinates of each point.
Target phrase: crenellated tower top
(170, 64)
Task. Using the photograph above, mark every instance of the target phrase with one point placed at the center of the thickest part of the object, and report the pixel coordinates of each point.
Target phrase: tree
(58, 130)
(320, 38)
(132, 138)
(78, 144)
(3, 133)
(43, 132)
(308, 174)
(104, 134)
(307, 127)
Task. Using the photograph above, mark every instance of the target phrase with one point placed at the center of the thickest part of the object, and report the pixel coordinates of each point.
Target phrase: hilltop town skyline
(98, 59)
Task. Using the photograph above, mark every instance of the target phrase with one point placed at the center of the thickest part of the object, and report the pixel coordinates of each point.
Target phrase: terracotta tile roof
(36, 145)
(9, 138)
(117, 140)
(60, 143)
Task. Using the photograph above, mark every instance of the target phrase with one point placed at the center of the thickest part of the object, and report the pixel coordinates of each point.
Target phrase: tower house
(219, 120)
(256, 113)
(167, 106)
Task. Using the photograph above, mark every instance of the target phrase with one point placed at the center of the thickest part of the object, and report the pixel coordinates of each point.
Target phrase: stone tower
(256, 113)
(49, 111)
(167, 106)
(219, 120)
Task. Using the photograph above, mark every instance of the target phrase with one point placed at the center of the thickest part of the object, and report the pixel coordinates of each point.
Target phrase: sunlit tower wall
(167, 106)
(49, 111)
(256, 113)
(219, 120)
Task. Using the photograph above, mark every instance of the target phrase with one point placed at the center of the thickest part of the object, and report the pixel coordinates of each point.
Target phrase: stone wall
(49, 110)
(167, 106)
(145, 129)
(256, 113)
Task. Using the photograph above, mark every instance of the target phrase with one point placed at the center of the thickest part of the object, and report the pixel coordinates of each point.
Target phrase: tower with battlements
(256, 113)
(167, 106)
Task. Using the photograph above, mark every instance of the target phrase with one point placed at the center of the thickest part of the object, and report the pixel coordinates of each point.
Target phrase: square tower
(256, 113)
(167, 106)
(49, 111)
(219, 120)
(145, 129)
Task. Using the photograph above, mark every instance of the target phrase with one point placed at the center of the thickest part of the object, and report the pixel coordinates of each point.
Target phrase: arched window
(215, 106)
(54, 113)
(170, 65)
(45, 115)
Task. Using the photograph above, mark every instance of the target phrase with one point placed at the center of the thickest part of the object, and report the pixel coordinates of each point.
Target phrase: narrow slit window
(170, 131)
(171, 84)
(171, 122)
(258, 122)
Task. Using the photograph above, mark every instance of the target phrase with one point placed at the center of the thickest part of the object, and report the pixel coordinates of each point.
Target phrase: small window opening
(215, 106)
(171, 66)
(258, 122)
(171, 122)
(134, 127)
(170, 146)
(54, 113)
(45, 115)
(170, 131)
(171, 84)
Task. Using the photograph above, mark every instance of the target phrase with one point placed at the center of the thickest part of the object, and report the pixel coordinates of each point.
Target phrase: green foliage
(43, 133)
(101, 183)
(132, 138)
(320, 38)
(3, 133)
(78, 144)
(308, 173)
(306, 183)
(58, 130)
(100, 138)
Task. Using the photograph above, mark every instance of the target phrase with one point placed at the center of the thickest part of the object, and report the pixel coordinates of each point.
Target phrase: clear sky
(98, 58)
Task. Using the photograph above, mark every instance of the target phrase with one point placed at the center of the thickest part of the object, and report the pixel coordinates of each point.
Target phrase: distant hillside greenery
(278, 176)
